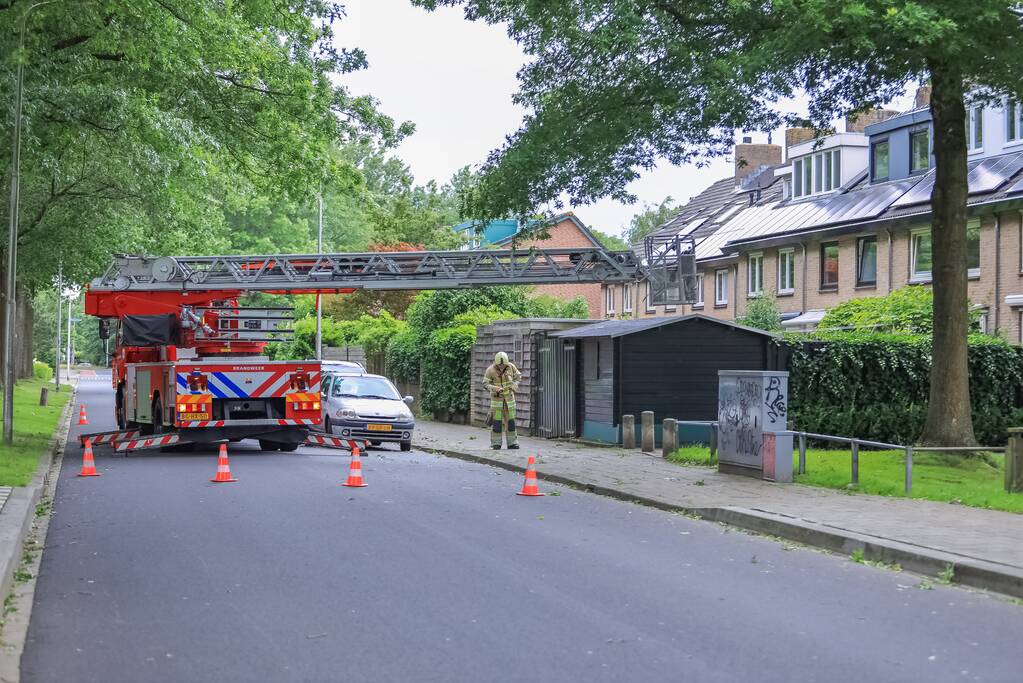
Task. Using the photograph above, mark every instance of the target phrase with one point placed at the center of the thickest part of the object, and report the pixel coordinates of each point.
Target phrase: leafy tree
(649, 219)
(610, 242)
(615, 85)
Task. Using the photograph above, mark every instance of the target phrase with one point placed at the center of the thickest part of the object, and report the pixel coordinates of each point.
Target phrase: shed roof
(621, 328)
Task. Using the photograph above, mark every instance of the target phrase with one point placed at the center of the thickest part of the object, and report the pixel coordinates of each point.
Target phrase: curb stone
(966, 570)
(16, 521)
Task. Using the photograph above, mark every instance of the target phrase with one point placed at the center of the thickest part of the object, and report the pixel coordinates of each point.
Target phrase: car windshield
(365, 387)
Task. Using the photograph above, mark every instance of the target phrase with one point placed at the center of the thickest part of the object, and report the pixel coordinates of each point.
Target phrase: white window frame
(797, 178)
(650, 308)
(824, 170)
(970, 224)
(699, 291)
(788, 257)
(974, 116)
(721, 287)
(609, 300)
(1013, 116)
(627, 298)
(914, 274)
(912, 135)
(860, 241)
(755, 274)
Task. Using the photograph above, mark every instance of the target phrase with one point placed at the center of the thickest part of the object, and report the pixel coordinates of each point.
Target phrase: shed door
(556, 392)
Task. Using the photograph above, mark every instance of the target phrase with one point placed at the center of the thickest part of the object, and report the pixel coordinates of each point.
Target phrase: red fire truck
(189, 363)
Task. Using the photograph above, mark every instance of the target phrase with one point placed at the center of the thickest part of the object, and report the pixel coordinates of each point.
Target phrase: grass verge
(943, 477)
(33, 427)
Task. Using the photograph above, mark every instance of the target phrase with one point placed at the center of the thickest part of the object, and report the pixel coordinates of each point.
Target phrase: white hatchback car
(366, 407)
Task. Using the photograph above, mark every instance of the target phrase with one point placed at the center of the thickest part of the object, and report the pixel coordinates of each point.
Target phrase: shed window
(829, 265)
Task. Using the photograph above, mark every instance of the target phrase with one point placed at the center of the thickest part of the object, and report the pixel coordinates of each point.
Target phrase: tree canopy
(613, 86)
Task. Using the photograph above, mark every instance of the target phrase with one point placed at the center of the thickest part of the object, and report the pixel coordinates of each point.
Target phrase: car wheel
(406, 445)
(157, 417)
(268, 445)
(288, 447)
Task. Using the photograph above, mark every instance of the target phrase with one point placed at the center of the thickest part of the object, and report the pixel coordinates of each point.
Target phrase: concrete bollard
(647, 444)
(1014, 461)
(628, 431)
(669, 436)
(44, 396)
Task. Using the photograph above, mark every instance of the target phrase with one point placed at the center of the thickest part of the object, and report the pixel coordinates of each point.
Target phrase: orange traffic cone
(530, 488)
(82, 419)
(223, 467)
(88, 464)
(355, 470)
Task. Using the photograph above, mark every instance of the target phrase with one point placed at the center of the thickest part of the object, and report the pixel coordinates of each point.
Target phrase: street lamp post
(56, 347)
(319, 308)
(12, 235)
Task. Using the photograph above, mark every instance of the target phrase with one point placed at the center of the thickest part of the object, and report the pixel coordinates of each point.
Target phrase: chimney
(855, 123)
(923, 97)
(794, 136)
(750, 157)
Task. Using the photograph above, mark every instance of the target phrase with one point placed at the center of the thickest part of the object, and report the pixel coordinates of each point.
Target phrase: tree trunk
(25, 320)
(949, 420)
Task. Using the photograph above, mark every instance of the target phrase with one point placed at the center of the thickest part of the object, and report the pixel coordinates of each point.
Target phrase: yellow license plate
(379, 428)
(195, 416)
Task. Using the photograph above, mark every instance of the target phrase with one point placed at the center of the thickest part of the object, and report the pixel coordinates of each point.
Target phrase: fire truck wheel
(327, 427)
(288, 447)
(265, 445)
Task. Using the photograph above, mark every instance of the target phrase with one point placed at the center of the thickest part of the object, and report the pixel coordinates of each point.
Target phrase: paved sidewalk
(985, 546)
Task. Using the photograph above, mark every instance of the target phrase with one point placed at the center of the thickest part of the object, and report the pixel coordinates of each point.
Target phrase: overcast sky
(455, 79)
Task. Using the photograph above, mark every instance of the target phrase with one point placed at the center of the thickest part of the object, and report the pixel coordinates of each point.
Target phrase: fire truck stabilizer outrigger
(189, 365)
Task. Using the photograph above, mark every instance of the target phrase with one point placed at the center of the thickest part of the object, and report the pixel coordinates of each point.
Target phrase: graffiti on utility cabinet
(749, 402)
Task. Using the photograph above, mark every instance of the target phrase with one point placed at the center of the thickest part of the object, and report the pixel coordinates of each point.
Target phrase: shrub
(403, 356)
(373, 333)
(876, 386)
(42, 371)
(906, 310)
(762, 313)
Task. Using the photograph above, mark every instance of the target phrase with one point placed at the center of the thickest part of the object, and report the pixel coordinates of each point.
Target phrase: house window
(786, 271)
(721, 288)
(816, 173)
(922, 252)
(807, 175)
(1013, 121)
(919, 151)
(973, 248)
(836, 169)
(866, 261)
(699, 292)
(627, 299)
(797, 179)
(879, 161)
(649, 299)
(829, 265)
(755, 275)
(609, 300)
(975, 128)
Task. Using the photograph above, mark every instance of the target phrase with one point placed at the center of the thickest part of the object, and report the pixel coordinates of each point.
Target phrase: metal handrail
(855, 445)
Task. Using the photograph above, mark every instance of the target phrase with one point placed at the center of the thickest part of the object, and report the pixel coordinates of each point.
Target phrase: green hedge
(446, 368)
(403, 356)
(876, 386)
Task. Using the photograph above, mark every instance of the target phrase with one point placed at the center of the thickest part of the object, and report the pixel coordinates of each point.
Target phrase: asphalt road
(438, 572)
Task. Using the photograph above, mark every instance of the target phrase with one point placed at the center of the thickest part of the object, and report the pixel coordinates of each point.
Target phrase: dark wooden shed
(668, 365)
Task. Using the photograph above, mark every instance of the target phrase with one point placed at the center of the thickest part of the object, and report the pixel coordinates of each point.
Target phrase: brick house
(565, 231)
(849, 216)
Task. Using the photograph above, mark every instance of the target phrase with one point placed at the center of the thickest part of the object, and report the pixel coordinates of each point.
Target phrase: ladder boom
(372, 270)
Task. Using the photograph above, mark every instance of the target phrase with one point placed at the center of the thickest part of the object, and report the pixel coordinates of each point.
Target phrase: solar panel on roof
(990, 174)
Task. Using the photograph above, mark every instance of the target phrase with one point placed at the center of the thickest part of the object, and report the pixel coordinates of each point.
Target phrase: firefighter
(502, 381)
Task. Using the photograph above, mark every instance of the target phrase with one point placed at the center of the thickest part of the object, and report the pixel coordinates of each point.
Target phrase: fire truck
(189, 362)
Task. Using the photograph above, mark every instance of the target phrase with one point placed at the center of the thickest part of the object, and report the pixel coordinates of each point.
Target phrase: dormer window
(919, 151)
(817, 173)
(975, 128)
(1013, 124)
(879, 161)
